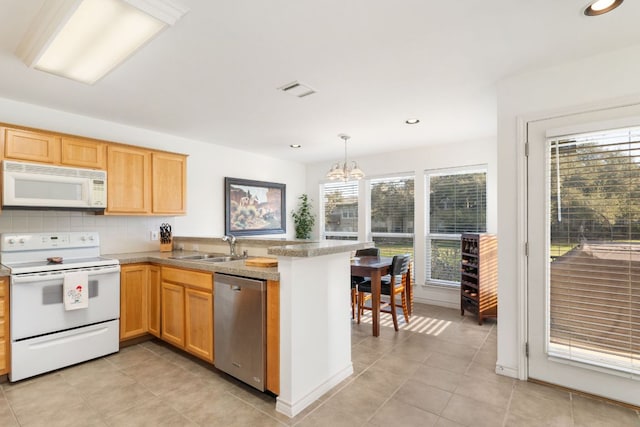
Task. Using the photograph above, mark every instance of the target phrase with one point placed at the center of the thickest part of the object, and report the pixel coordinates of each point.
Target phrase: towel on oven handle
(76, 290)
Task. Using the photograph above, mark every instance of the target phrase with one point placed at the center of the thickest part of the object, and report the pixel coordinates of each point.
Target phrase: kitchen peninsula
(315, 340)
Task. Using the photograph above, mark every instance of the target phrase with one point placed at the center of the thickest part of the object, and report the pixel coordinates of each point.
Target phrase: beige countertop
(229, 267)
(313, 249)
(238, 268)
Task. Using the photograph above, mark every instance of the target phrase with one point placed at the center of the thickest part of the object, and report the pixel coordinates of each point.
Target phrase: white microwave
(31, 185)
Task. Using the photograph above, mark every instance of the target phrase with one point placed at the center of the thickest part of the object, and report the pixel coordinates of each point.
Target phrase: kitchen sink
(221, 258)
(196, 256)
(206, 257)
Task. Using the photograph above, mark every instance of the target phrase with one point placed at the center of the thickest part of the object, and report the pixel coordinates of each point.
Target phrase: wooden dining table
(375, 268)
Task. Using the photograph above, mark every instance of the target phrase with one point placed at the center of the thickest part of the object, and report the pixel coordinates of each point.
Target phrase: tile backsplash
(118, 234)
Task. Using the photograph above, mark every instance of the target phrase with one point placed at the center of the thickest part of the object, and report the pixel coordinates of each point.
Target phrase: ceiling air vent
(297, 89)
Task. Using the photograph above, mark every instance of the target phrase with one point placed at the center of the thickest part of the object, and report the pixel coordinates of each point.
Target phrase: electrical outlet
(154, 235)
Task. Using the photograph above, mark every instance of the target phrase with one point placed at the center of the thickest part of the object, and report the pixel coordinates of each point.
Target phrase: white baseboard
(291, 409)
(443, 296)
(506, 371)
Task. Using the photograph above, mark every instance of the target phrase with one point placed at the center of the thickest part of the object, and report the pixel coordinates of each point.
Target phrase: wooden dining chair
(357, 279)
(395, 283)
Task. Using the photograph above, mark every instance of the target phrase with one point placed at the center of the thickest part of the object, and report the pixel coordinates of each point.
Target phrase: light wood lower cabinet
(5, 348)
(199, 323)
(134, 297)
(273, 337)
(176, 305)
(154, 300)
(173, 313)
(187, 311)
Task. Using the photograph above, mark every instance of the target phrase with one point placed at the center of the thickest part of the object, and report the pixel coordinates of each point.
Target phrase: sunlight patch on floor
(419, 324)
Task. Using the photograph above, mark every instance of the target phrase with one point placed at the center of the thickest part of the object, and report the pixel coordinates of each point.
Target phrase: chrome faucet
(232, 244)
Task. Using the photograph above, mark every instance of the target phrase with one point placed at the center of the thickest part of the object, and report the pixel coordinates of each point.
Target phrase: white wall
(605, 80)
(208, 164)
(416, 161)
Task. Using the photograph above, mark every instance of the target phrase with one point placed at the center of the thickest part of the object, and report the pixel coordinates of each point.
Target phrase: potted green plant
(303, 219)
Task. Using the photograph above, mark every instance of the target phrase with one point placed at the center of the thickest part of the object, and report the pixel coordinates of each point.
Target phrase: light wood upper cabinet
(133, 300)
(154, 300)
(139, 181)
(30, 145)
(84, 153)
(5, 348)
(128, 180)
(169, 183)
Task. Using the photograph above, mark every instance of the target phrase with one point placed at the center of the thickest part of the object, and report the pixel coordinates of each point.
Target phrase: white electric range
(45, 333)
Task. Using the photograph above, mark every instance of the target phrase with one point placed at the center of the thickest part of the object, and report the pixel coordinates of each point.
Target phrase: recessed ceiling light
(412, 121)
(295, 145)
(600, 7)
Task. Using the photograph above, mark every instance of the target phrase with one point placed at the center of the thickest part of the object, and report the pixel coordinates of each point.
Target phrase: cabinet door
(4, 326)
(84, 153)
(173, 314)
(154, 300)
(199, 323)
(133, 300)
(129, 180)
(169, 183)
(32, 146)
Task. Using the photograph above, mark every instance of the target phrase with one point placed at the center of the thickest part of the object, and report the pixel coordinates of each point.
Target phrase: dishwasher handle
(236, 283)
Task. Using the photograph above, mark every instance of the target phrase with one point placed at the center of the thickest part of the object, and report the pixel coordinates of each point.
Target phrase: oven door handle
(30, 278)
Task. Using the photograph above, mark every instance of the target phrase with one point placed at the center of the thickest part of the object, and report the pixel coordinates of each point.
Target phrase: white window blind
(340, 206)
(457, 203)
(392, 214)
(594, 248)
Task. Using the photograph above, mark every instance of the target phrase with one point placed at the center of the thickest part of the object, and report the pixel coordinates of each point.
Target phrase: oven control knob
(11, 241)
(91, 238)
(22, 240)
(83, 238)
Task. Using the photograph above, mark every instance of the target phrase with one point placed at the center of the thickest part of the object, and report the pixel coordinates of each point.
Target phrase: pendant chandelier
(346, 170)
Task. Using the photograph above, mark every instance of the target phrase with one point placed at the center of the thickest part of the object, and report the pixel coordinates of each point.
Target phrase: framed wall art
(254, 207)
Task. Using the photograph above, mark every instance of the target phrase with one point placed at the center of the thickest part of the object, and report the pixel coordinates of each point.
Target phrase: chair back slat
(400, 264)
(368, 252)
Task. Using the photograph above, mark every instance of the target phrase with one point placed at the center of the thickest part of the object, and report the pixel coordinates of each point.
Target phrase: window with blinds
(457, 203)
(392, 214)
(340, 206)
(594, 249)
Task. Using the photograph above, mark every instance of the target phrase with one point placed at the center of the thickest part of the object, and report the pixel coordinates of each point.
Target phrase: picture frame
(254, 207)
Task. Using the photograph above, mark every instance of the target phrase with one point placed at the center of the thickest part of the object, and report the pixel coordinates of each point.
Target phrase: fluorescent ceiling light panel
(84, 40)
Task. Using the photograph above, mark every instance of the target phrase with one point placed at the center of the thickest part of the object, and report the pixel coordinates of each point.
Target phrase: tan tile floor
(436, 371)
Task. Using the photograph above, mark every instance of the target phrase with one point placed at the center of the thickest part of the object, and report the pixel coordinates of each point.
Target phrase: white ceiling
(374, 63)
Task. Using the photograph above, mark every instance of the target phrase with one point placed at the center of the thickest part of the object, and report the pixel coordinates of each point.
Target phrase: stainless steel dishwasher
(240, 328)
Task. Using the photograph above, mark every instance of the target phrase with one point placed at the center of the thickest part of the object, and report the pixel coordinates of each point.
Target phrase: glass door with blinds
(584, 257)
